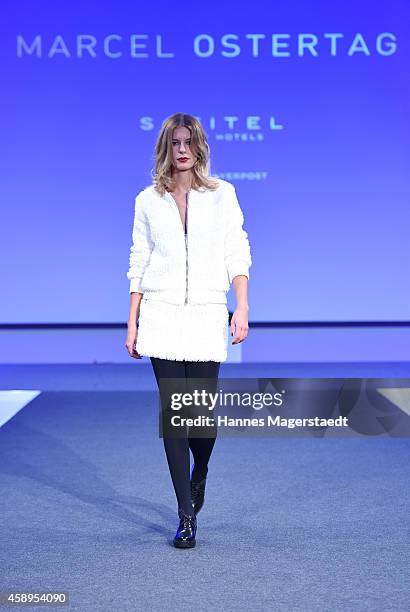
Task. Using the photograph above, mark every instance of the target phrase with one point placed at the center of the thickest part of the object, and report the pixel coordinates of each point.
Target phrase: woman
(188, 247)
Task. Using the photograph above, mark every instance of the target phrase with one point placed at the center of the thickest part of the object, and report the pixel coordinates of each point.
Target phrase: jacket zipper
(185, 234)
(186, 248)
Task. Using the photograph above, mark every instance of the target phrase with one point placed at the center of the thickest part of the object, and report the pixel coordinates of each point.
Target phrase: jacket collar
(193, 194)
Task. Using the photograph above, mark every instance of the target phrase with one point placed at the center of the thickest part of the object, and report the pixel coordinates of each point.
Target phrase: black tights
(177, 448)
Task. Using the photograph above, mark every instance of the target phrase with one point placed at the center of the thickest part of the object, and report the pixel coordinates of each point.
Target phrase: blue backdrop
(306, 106)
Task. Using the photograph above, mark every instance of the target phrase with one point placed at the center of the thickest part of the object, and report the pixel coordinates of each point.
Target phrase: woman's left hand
(239, 324)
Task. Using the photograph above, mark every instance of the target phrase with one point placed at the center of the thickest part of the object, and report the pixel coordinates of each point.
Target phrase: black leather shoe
(186, 532)
(198, 494)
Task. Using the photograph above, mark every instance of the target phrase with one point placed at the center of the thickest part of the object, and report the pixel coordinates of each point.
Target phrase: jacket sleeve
(237, 250)
(141, 248)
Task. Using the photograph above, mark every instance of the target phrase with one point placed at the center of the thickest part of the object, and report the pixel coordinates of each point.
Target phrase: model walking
(189, 245)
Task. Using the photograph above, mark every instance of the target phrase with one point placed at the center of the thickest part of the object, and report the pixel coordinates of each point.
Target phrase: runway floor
(291, 524)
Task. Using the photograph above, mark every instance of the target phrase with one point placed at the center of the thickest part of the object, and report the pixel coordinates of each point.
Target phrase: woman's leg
(202, 447)
(176, 448)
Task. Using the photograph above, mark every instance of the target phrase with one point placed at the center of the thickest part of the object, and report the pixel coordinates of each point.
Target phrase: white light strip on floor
(399, 396)
(12, 401)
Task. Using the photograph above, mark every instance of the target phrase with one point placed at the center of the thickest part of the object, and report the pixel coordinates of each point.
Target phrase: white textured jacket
(163, 265)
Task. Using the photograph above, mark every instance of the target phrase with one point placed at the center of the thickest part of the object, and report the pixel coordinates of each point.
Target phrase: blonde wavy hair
(162, 178)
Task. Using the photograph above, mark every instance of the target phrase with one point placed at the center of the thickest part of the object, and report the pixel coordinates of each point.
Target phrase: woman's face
(183, 157)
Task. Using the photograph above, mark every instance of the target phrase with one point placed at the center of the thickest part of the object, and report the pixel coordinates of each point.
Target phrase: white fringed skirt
(190, 332)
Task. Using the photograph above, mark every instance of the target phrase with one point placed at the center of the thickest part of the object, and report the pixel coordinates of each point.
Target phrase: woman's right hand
(131, 341)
